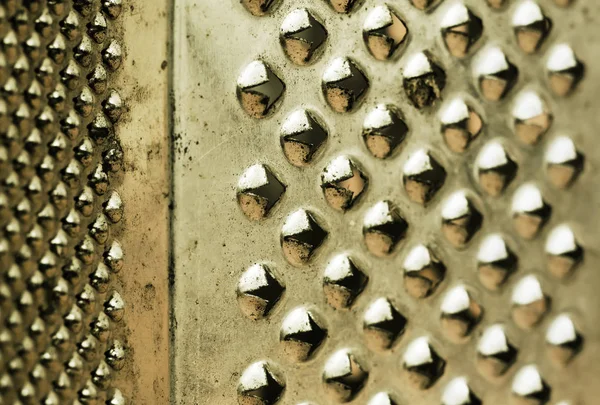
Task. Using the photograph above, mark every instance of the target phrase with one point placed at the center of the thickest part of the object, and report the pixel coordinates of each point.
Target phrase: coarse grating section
(61, 333)
(386, 202)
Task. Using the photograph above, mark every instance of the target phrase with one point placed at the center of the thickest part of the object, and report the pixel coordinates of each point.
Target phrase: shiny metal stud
(565, 70)
(460, 124)
(495, 168)
(423, 80)
(260, 384)
(461, 29)
(529, 388)
(258, 191)
(459, 313)
(342, 183)
(529, 211)
(383, 130)
(531, 117)
(301, 334)
(302, 136)
(301, 235)
(563, 252)
(531, 26)
(301, 36)
(495, 74)
(423, 272)
(383, 32)
(495, 353)
(422, 176)
(563, 339)
(344, 85)
(343, 282)
(495, 261)
(460, 219)
(382, 324)
(563, 162)
(258, 291)
(259, 89)
(344, 376)
(422, 363)
(383, 228)
(530, 303)
(458, 392)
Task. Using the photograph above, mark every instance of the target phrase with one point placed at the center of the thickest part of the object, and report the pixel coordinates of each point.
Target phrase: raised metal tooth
(57, 49)
(100, 327)
(563, 339)
(57, 98)
(422, 176)
(383, 324)
(529, 388)
(84, 7)
(460, 219)
(301, 36)
(112, 8)
(529, 210)
(112, 55)
(461, 29)
(563, 162)
(302, 137)
(115, 397)
(344, 85)
(531, 26)
(83, 52)
(422, 363)
(69, 26)
(563, 252)
(495, 74)
(495, 168)
(344, 376)
(342, 6)
(343, 282)
(423, 272)
(460, 313)
(97, 79)
(113, 257)
(113, 207)
(458, 392)
(258, 7)
(301, 334)
(530, 303)
(383, 228)
(383, 32)
(100, 278)
(260, 384)
(343, 183)
(495, 261)
(564, 69)
(115, 355)
(113, 106)
(97, 28)
(259, 89)
(114, 306)
(382, 398)
(531, 117)
(495, 353)
(258, 191)
(258, 291)
(301, 236)
(383, 130)
(423, 80)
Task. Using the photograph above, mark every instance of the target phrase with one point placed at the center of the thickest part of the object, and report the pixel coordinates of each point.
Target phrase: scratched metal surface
(504, 197)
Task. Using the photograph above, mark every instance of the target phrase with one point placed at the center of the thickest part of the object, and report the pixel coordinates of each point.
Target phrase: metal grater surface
(386, 202)
(61, 332)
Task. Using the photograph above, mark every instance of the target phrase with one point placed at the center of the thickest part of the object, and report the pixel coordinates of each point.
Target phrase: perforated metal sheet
(425, 229)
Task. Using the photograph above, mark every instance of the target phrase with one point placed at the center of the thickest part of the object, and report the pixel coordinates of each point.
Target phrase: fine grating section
(386, 202)
(61, 314)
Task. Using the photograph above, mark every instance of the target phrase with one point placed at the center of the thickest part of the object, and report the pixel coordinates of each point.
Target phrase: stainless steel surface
(453, 220)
